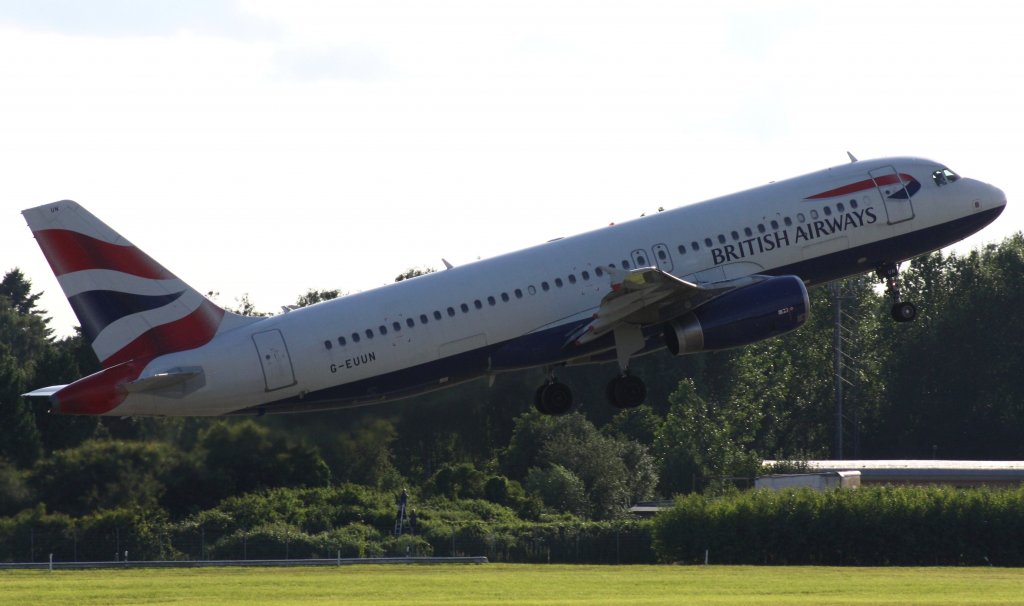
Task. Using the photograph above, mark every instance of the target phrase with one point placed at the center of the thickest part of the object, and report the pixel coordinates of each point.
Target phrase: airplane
(703, 277)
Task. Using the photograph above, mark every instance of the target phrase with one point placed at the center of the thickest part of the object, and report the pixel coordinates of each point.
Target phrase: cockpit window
(944, 176)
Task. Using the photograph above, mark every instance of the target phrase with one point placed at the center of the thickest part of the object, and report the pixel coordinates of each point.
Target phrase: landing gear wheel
(553, 398)
(904, 311)
(626, 391)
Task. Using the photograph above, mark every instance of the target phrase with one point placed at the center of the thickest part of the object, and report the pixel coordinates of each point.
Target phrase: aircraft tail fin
(130, 307)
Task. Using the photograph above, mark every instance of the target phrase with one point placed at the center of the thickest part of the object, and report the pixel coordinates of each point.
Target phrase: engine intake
(740, 317)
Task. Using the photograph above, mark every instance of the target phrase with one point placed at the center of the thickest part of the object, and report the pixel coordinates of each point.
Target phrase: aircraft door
(894, 194)
(663, 257)
(274, 358)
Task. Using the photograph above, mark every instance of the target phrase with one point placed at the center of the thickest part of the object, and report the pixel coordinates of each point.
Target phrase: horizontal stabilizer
(162, 380)
(44, 392)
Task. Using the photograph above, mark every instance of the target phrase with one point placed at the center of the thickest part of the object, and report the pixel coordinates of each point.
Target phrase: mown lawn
(407, 585)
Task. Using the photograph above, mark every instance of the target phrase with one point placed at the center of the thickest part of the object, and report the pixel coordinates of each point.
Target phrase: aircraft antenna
(852, 157)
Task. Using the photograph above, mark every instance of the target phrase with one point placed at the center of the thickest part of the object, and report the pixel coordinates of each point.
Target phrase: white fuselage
(514, 310)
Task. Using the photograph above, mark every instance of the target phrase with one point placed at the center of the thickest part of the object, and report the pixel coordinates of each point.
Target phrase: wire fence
(591, 543)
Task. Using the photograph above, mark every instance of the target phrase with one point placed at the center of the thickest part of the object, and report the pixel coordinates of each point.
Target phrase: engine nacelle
(740, 317)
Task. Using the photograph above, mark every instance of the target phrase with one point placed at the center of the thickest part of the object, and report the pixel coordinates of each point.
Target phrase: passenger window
(572, 278)
(775, 224)
(491, 301)
(585, 274)
(853, 204)
(840, 207)
(545, 286)
(625, 265)
(760, 228)
(682, 249)
(423, 318)
(800, 217)
(531, 289)
(369, 333)
(341, 341)
(451, 312)
(477, 304)
(814, 214)
(694, 246)
(410, 322)
(641, 260)
(735, 235)
(599, 272)
(708, 242)
(787, 221)
(437, 315)
(383, 330)
(748, 232)
(328, 344)
(464, 308)
(355, 337)
(519, 294)
(396, 326)
(828, 211)
(558, 282)
(721, 239)
(504, 297)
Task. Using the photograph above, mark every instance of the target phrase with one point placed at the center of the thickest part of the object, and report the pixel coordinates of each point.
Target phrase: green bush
(871, 526)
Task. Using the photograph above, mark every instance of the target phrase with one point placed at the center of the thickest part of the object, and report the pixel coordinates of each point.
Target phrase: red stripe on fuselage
(860, 186)
(194, 330)
(70, 251)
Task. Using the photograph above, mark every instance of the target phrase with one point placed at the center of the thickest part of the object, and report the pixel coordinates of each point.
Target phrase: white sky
(269, 147)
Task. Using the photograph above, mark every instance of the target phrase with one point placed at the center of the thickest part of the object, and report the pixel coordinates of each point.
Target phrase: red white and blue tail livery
(714, 275)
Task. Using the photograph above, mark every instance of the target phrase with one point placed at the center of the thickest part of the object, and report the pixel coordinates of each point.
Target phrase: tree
(24, 341)
(705, 440)
(313, 296)
(413, 272)
(614, 471)
(954, 376)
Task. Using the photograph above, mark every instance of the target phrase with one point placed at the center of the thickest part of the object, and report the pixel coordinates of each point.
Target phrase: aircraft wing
(647, 295)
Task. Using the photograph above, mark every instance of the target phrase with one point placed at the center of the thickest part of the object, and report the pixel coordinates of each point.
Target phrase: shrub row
(869, 526)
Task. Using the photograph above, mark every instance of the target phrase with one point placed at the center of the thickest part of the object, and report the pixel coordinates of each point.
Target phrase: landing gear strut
(625, 390)
(902, 311)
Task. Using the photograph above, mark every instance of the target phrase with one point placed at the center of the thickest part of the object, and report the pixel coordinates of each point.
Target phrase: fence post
(31, 544)
(51, 562)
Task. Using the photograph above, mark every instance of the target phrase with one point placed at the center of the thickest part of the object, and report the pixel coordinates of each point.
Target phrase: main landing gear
(624, 391)
(902, 311)
(555, 397)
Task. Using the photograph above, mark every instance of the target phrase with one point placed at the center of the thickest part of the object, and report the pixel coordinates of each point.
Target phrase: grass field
(408, 585)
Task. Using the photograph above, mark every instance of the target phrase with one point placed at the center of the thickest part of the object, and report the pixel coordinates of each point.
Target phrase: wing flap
(647, 295)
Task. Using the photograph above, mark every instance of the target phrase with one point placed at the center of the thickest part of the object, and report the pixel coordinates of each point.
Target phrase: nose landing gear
(902, 311)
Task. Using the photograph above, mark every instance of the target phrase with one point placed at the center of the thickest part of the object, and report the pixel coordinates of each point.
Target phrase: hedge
(869, 526)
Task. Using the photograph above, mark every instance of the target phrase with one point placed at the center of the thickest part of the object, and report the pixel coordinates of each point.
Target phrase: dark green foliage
(564, 459)
(107, 474)
(866, 527)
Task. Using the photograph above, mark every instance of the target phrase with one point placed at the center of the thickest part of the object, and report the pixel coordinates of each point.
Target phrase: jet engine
(739, 317)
